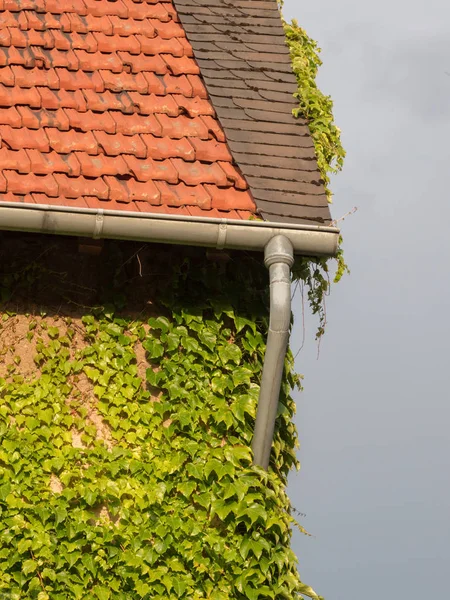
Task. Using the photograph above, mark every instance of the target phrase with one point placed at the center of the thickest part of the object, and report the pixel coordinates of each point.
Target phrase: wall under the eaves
(128, 387)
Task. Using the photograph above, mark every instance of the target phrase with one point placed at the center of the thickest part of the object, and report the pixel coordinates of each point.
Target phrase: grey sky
(374, 417)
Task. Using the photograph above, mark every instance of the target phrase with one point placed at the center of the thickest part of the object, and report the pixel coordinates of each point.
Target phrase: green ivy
(124, 482)
(314, 106)
(317, 109)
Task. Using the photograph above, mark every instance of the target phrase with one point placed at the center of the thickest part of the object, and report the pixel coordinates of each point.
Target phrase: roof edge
(307, 240)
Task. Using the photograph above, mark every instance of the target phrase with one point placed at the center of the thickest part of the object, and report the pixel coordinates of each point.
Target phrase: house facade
(149, 161)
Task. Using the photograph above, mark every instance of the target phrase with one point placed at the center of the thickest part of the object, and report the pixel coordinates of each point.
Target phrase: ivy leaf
(113, 330)
(179, 587)
(241, 375)
(220, 384)
(212, 465)
(32, 423)
(5, 490)
(238, 453)
(229, 491)
(160, 323)
(102, 593)
(92, 373)
(243, 404)
(154, 348)
(242, 322)
(245, 547)
(88, 561)
(230, 353)
(190, 344)
(308, 591)
(154, 377)
(221, 509)
(90, 496)
(208, 338)
(23, 545)
(172, 341)
(186, 488)
(60, 514)
(29, 566)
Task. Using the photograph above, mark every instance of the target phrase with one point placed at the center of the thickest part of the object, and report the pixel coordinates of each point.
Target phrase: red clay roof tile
(102, 105)
(181, 66)
(3, 183)
(182, 126)
(24, 138)
(28, 183)
(165, 209)
(15, 160)
(230, 199)
(194, 107)
(91, 62)
(167, 30)
(54, 58)
(35, 119)
(89, 121)
(136, 190)
(78, 80)
(60, 200)
(128, 190)
(10, 116)
(233, 175)
(12, 96)
(186, 195)
(113, 43)
(10, 197)
(210, 150)
(138, 63)
(160, 148)
(107, 101)
(197, 173)
(99, 165)
(178, 85)
(73, 187)
(214, 128)
(118, 144)
(98, 8)
(132, 124)
(72, 141)
(155, 85)
(152, 104)
(151, 170)
(154, 46)
(51, 162)
(120, 82)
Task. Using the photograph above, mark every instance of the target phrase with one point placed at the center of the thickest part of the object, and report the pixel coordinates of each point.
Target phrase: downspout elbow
(278, 258)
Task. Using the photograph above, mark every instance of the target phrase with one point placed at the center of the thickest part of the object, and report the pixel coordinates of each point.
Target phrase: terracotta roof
(102, 104)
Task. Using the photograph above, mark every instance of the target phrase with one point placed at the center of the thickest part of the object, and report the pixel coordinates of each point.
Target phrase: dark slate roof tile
(241, 49)
(292, 198)
(274, 151)
(252, 161)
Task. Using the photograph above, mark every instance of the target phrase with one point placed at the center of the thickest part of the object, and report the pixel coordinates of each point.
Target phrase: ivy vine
(317, 109)
(125, 462)
(314, 105)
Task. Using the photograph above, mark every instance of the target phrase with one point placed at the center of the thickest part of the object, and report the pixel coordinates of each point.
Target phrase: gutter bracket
(278, 258)
(98, 225)
(222, 235)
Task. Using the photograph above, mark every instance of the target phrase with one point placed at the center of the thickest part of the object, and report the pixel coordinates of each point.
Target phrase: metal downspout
(278, 258)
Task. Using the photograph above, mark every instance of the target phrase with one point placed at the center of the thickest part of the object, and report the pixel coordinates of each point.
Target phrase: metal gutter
(308, 240)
